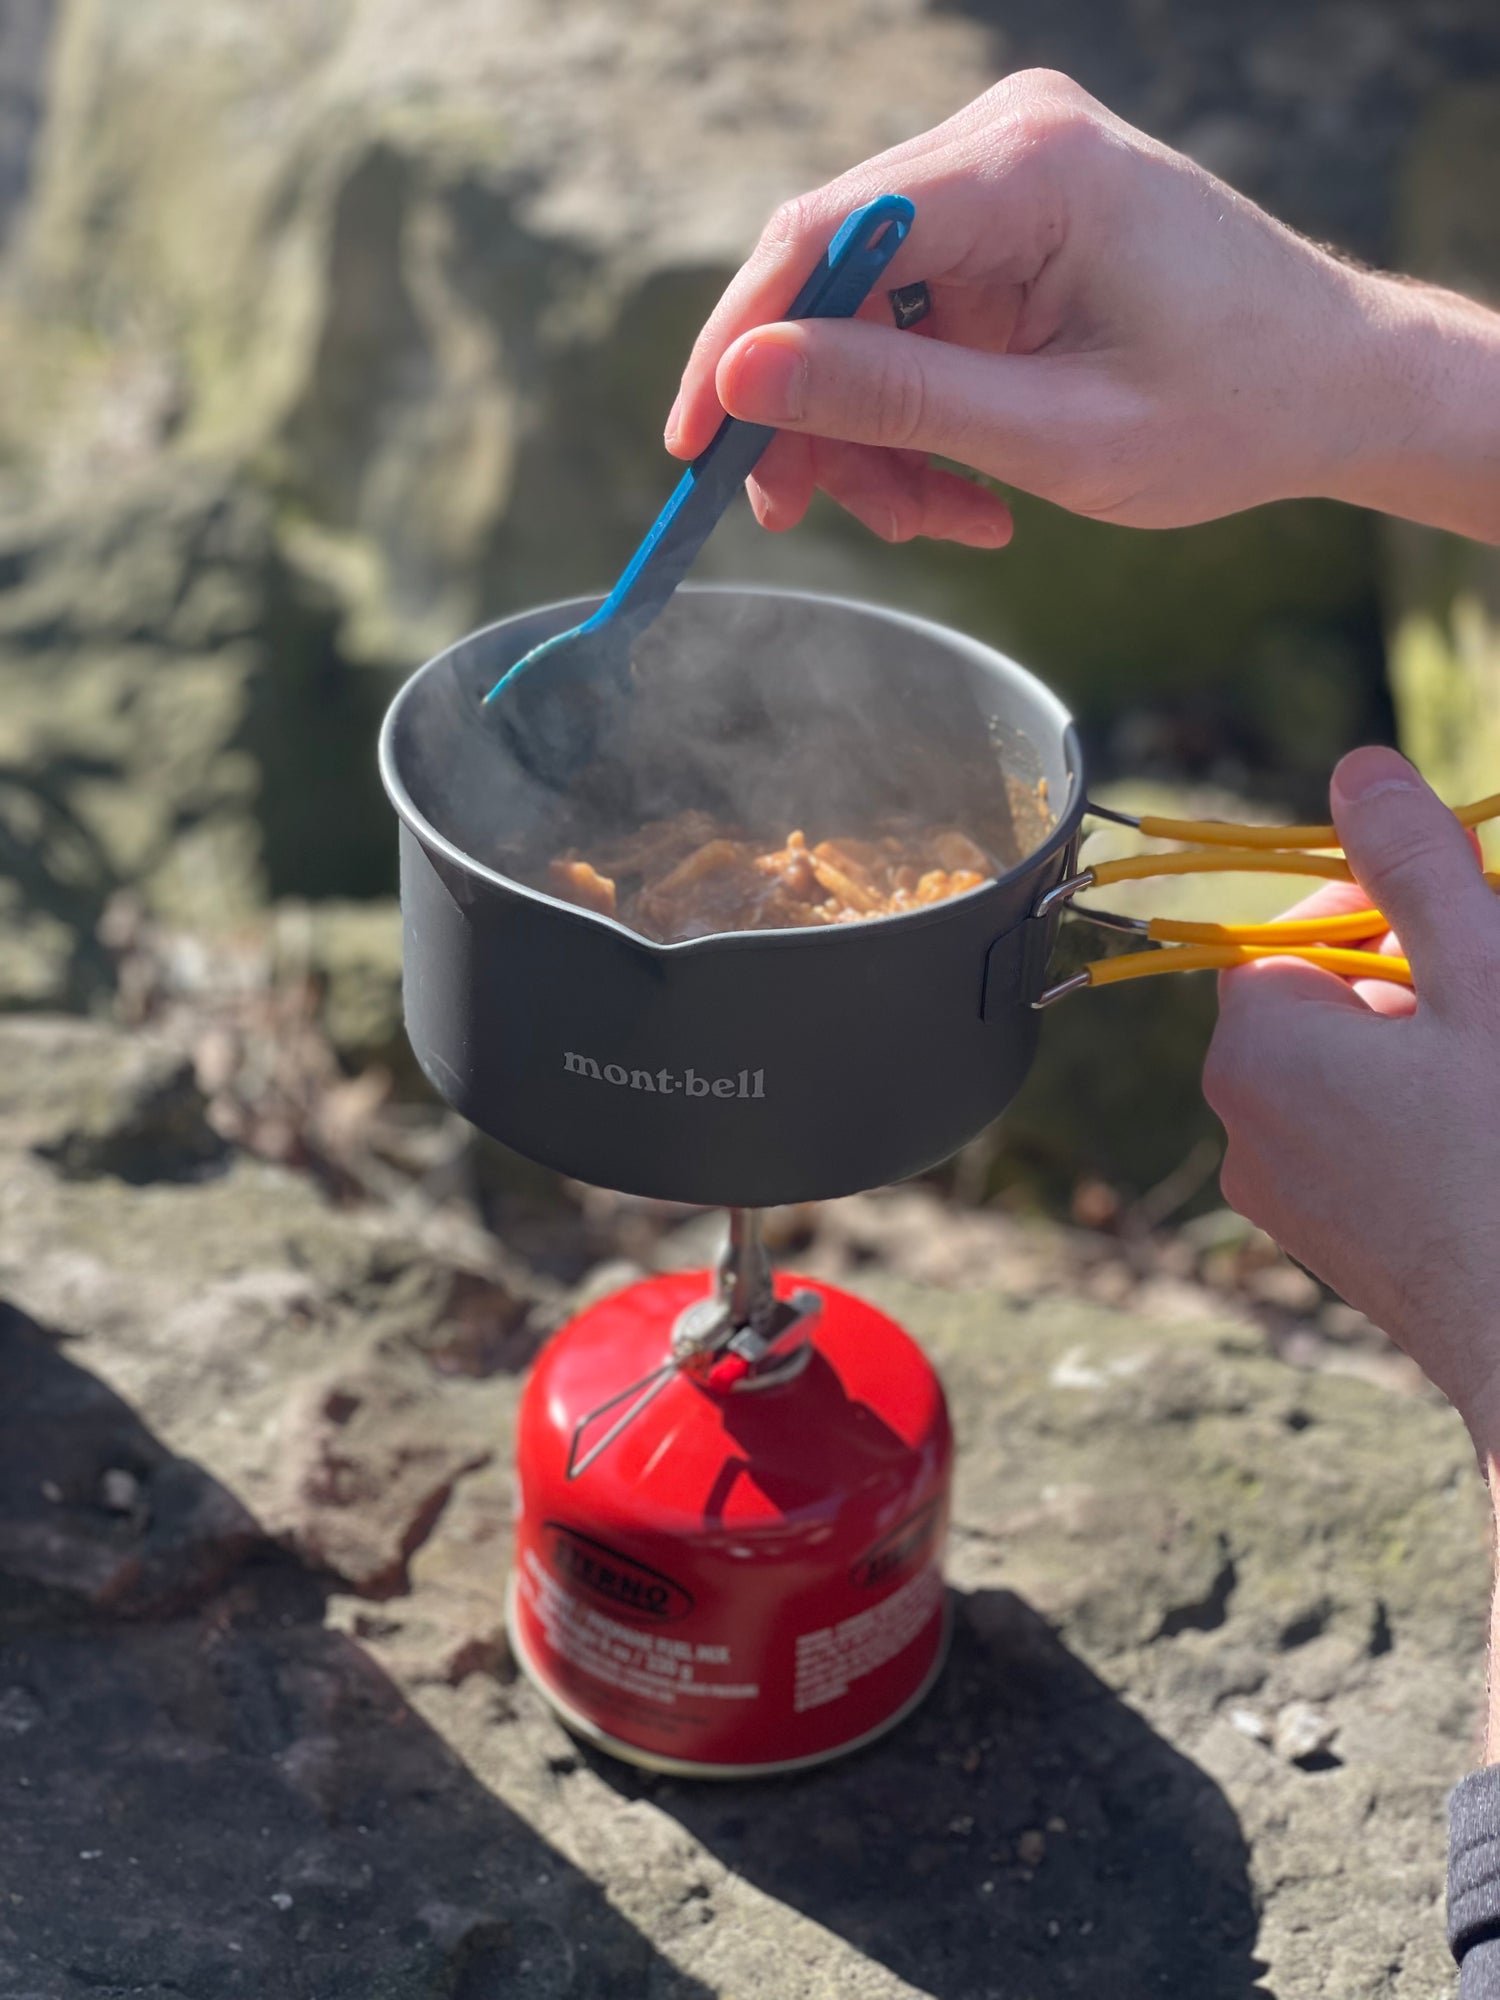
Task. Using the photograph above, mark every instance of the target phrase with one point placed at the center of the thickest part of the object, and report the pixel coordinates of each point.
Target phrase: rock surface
(363, 259)
(1445, 636)
(1218, 1651)
(330, 327)
(25, 35)
(176, 718)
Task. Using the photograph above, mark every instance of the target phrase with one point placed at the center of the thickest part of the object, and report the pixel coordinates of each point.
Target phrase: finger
(1338, 899)
(1329, 899)
(782, 485)
(1416, 862)
(789, 248)
(1376, 996)
(900, 496)
(986, 207)
(1287, 1040)
(1381, 997)
(978, 316)
(1267, 1040)
(1271, 989)
(1014, 415)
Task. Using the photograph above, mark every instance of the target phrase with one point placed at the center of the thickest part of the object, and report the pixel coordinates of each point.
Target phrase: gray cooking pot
(753, 1067)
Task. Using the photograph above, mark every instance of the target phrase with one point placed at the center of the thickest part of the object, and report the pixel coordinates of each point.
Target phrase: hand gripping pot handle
(1346, 943)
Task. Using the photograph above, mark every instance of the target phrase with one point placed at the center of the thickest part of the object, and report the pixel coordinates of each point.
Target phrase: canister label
(618, 1579)
(654, 1667)
(898, 1550)
(832, 1659)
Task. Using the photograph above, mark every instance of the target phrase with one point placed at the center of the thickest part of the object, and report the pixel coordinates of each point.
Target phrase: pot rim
(800, 936)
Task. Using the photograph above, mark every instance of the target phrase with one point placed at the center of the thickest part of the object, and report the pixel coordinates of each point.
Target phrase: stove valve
(740, 1336)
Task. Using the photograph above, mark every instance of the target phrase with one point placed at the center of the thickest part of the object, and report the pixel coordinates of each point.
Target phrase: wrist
(1417, 425)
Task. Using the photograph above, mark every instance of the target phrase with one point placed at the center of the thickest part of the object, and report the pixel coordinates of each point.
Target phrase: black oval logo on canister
(898, 1550)
(620, 1580)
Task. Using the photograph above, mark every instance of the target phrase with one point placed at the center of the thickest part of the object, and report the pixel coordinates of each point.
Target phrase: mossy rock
(1444, 592)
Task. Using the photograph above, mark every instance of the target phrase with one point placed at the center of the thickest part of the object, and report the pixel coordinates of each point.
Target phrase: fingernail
(1366, 773)
(674, 418)
(769, 382)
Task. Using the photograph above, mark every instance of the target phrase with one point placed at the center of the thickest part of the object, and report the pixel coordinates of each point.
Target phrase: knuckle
(899, 398)
(1415, 857)
(1471, 982)
(791, 224)
(1040, 85)
(1059, 118)
(1110, 451)
(1131, 420)
(1419, 867)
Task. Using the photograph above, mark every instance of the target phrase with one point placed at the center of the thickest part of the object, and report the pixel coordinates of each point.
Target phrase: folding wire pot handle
(1218, 847)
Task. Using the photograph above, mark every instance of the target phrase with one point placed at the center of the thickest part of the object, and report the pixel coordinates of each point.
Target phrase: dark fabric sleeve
(1474, 1884)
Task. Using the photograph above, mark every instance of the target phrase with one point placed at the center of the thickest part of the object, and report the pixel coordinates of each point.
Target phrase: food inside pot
(689, 876)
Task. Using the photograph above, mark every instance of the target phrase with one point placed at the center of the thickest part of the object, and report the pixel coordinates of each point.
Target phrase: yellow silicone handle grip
(1208, 957)
(1218, 860)
(1351, 929)
(1217, 833)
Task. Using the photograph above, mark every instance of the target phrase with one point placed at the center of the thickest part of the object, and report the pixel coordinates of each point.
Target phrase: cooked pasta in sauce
(687, 877)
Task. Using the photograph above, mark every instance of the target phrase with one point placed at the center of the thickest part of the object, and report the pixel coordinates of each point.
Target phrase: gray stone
(1445, 593)
(1305, 1736)
(363, 1477)
(353, 951)
(95, 1103)
(173, 717)
(351, 342)
(371, 268)
(25, 42)
(1172, 1555)
(394, 325)
(60, 1537)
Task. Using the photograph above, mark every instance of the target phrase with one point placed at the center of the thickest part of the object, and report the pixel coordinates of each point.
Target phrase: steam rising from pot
(759, 718)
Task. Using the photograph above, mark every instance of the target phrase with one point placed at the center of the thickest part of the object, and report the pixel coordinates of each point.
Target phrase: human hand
(1112, 328)
(1364, 1121)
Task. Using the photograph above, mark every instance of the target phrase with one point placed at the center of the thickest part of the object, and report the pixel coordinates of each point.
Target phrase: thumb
(1417, 864)
(870, 384)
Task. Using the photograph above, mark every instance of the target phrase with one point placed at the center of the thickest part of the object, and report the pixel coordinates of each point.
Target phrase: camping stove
(733, 1504)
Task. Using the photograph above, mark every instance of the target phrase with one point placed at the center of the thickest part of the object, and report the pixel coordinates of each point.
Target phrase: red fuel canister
(748, 1577)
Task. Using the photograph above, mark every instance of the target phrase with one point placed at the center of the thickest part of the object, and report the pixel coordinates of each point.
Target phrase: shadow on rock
(207, 1793)
(1026, 1836)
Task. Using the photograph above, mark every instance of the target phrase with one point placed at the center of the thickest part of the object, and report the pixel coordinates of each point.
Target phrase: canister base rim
(684, 1767)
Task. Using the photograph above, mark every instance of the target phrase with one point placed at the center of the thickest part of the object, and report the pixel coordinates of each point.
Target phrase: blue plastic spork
(558, 700)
